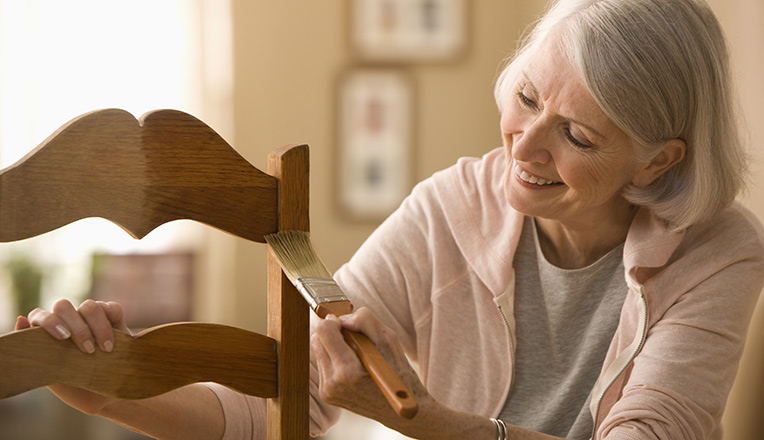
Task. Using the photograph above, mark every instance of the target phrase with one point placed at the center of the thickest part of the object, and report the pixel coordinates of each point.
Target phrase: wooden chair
(141, 174)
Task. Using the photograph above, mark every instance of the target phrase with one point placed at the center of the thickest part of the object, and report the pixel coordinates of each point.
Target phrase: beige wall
(743, 20)
(288, 56)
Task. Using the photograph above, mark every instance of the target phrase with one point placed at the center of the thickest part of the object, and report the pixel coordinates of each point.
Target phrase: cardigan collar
(472, 197)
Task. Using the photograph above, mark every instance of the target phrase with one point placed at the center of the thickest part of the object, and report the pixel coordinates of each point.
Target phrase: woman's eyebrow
(588, 127)
(574, 121)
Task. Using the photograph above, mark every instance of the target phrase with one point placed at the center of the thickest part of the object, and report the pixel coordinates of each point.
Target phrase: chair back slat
(138, 174)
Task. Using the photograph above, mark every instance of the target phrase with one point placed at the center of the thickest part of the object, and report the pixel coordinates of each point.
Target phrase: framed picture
(374, 153)
(408, 30)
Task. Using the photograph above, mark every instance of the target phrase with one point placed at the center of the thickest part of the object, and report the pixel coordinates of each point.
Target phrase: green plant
(26, 283)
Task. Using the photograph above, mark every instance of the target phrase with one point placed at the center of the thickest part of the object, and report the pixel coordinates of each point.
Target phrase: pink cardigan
(439, 272)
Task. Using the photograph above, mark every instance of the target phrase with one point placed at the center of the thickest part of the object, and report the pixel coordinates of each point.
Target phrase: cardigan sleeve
(388, 274)
(678, 385)
(392, 272)
(380, 275)
(246, 416)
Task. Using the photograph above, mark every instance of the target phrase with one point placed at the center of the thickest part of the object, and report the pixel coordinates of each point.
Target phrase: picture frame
(374, 142)
(409, 30)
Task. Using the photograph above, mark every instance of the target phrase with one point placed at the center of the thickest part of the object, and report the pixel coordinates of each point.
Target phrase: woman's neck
(573, 246)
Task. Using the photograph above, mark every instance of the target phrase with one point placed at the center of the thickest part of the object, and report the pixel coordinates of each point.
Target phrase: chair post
(288, 414)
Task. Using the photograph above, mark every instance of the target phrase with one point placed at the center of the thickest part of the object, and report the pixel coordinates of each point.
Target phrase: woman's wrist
(501, 429)
(436, 421)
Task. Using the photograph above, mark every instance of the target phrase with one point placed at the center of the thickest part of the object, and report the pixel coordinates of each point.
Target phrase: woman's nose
(531, 143)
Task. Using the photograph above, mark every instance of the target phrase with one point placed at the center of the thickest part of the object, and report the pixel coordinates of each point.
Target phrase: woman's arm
(344, 382)
(189, 412)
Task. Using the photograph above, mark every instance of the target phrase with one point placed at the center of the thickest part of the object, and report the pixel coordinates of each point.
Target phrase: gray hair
(659, 70)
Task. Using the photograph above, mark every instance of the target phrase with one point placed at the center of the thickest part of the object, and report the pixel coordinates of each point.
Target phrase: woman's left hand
(345, 383)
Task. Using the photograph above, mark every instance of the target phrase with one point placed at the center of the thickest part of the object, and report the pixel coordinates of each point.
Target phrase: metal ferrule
(319, 291)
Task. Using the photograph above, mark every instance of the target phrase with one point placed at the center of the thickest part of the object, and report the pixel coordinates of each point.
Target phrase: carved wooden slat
(151, 363)
(138, 174)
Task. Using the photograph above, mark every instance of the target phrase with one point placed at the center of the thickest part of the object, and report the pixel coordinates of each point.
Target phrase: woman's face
(568, 161)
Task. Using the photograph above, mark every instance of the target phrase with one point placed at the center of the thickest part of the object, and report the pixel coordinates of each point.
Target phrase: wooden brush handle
(395, 391)
(393, 388)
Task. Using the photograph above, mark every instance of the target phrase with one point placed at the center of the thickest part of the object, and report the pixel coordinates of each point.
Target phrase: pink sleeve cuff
(245, 416)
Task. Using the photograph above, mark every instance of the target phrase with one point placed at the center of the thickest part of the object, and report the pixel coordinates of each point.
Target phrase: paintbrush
(301, 264)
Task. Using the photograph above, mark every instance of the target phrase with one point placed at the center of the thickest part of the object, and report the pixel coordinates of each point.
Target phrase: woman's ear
(671, 154)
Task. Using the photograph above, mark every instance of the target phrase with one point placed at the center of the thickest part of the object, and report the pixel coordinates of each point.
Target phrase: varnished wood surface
(336, 308)
(288, 413)
(395, 391)
(141, 174)
(138, 174)
(155, 361)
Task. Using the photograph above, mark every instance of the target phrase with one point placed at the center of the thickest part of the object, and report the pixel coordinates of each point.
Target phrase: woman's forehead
(560, 87)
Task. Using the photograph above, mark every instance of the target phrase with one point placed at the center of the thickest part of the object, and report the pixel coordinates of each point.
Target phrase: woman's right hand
(90, 327)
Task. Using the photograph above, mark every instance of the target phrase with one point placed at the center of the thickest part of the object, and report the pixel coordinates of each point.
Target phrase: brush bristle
(296, 255)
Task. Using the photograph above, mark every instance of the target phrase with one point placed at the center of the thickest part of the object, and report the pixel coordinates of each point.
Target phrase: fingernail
(88, 346)
(108, 346)
(63, 331)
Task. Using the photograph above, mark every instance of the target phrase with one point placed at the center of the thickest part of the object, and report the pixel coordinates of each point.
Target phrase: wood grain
(138, 174)
(154, 362)
(141, 174)
(287, 311)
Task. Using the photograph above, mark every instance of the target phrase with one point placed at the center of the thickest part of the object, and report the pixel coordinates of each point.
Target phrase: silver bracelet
(501, 428)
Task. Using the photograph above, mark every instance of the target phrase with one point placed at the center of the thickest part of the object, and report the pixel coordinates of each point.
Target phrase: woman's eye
(525, 100)
(575, 141)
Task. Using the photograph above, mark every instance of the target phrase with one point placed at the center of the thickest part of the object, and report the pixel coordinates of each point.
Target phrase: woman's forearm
(437, 422)
(189, 412)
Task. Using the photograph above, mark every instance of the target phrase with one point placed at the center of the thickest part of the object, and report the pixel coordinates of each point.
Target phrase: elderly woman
(592, 278)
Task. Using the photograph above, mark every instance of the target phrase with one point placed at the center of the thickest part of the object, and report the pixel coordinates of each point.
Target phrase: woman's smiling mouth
(533, 180)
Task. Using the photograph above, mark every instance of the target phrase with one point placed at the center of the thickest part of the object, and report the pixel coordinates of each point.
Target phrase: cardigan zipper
(511, 346)
(623, 360)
